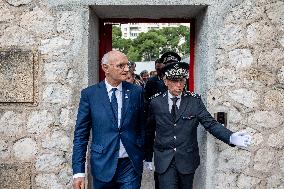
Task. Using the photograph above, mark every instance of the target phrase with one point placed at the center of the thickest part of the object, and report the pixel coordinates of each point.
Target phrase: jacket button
(175, 124)
(175, 149)
(175, 137)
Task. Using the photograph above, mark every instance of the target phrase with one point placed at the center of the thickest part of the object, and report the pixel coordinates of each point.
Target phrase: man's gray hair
(109, 55)
(105, 58)
(143, 72)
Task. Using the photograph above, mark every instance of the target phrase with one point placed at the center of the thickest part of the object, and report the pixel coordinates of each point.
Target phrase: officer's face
(175, 86)
(158, 67)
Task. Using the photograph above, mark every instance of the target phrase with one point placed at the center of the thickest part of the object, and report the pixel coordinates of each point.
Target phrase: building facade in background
(132, 30)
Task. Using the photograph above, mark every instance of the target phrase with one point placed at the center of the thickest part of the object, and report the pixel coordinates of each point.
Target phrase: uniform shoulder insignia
(189, 93)
(155, 95)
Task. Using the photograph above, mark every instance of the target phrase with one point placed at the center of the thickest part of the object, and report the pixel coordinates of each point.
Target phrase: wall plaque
(17, 75)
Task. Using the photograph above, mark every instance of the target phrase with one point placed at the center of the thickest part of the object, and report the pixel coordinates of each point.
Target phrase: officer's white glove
(240, 139)
(148, 166)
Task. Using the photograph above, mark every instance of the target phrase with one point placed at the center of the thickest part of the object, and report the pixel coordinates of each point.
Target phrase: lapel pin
(164, 94)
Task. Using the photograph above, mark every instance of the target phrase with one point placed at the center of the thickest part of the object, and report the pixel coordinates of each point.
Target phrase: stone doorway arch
(100, 14)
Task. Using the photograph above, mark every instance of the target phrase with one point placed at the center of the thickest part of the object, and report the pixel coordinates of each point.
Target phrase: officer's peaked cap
(170, 57)
(176, 70)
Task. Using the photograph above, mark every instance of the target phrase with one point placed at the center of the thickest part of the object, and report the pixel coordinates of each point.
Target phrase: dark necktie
(114, 104)
(174, 108)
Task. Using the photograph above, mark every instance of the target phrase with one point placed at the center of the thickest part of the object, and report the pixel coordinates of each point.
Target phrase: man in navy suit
(112, 112)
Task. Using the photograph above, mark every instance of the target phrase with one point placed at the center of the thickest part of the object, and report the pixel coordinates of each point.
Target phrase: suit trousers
(172, 179)
(125, 177)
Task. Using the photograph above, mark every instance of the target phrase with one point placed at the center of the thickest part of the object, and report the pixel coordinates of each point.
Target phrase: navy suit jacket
(96, 116)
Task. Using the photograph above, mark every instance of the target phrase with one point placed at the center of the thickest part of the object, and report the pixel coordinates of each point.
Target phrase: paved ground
(148, 180)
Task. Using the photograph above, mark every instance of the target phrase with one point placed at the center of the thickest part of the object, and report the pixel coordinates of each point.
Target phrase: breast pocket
(188, 117)
(97, 148)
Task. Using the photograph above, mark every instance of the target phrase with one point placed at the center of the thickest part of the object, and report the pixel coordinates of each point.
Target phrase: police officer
(172, 130)
(154, 86)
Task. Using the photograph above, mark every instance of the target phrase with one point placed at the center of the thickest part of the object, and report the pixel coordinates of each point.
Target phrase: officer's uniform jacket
(178, 138)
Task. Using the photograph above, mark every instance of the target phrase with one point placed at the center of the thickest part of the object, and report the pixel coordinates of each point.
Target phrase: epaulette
(189, 93)
(155, 95)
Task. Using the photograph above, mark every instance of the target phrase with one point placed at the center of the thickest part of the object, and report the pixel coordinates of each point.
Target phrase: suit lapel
(104, 99)
(125, 102)
(183, 105)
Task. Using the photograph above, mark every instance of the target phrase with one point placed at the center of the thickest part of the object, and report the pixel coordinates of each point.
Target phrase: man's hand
(241, 139)
(79, 183)
(148, 166)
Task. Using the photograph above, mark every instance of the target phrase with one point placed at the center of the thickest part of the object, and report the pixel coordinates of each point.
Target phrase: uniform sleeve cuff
(78, 175)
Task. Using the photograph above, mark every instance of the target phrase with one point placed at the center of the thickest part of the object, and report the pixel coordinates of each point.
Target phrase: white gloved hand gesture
(148, 166)
(241, 139)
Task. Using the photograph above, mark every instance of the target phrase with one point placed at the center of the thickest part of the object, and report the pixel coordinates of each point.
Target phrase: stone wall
(239, 70)
(248, 84)
(36, 135)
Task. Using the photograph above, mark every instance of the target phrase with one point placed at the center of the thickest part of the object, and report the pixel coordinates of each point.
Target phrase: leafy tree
(116, 33)
(118, 42)
(133, 54)
(174, 36)
(149, 46)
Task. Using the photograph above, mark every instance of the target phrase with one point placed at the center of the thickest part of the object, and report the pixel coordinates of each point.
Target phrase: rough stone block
(57, 140)
(241, 58)
(17, 3)
(38, 21)
(15, 175)
(264, 160)
(48, 181)
(263, 120)
(246, 97)
(49, 163)
(25, 149)
(16, 75)
(16, 36)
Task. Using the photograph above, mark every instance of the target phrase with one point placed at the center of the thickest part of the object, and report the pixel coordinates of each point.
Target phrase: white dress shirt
(170, 101)
(118, 94)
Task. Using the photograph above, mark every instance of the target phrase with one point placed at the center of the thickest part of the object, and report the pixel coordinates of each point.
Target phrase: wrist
(77, 175)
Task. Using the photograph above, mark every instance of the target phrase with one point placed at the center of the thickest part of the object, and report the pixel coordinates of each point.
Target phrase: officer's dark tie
(174, 107)
(114, 104)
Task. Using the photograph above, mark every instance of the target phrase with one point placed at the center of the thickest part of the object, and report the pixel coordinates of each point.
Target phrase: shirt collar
(171, 96)
(109, 87)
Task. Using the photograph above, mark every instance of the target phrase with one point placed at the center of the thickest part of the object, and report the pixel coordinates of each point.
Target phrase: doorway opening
(106, 41)
(103, 16)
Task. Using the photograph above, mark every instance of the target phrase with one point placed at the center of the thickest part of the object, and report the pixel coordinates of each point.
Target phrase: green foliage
(149, 46)
(118, 42)
(133, 54)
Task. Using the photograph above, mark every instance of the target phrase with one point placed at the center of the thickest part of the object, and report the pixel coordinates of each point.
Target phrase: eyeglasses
(121, 66)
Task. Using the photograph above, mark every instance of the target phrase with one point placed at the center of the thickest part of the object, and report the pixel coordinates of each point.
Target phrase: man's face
(117, 67)
(145, 76)
(130, 77)
(175, 86)
(158, 67)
